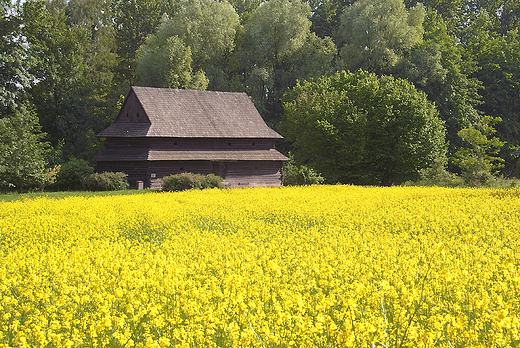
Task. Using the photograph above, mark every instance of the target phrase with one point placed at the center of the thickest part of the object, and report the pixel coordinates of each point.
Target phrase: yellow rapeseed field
(319, 266)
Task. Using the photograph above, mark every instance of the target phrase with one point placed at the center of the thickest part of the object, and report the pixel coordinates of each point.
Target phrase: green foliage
(360, 128)
(72, 175)
(326, 14)
(300, 175)
(193, 40)
(72, 76)
(106, 181)
(22, 151)
(133, 22)
(168, 65)
(374, 35)
(188, 181)
(279, 48)
(478, 158)
(498, 57)
(439, 66)
(438, 175)
(15, 61)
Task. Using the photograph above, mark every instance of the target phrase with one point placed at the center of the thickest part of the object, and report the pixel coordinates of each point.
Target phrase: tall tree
(15, 60)
(363, 129)
(498, 58)
(22, 151)
(375, 35)
(133, 20)
(478, 156)
(441, 66)
(277, 49)
(325, 15)
(189, 44)
(168, 64)
(69, 91)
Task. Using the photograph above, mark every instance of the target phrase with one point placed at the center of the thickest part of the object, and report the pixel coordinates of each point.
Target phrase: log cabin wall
(160, 169)
(235, 174)
(254, 173)
(136, 171)
(123, 143)
(211, 144)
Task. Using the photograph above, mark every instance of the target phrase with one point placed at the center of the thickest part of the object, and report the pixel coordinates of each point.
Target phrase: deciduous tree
(22, 150)
(15, 60)
(279, 48)
(364, 129)
(375, 34)
(189, 44)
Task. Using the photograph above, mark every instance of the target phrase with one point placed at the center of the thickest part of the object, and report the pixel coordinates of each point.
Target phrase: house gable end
(132, 110)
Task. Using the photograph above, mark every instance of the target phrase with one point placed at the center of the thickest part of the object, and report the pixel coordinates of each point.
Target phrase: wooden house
(162, 131)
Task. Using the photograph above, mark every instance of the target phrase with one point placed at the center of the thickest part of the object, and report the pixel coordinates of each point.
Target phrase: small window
(182, 168)
(175, 143)
(137, 115)
(127, 115)
(153, 175)
(254, 144)
(229, 144)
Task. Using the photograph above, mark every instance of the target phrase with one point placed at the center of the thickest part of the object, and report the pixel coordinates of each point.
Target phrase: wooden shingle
(186, 114)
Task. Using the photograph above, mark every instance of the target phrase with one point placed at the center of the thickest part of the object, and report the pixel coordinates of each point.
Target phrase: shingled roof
(192, 114)
(162, 155)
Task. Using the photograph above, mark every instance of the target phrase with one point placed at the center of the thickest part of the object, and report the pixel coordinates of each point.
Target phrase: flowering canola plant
(317, 266)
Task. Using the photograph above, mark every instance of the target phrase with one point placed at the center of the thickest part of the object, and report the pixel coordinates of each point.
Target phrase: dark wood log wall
(235, 173)
(136, 171)
(210, 144)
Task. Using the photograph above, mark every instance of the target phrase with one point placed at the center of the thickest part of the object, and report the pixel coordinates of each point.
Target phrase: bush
(107, 181)
(72, 175)
(438, 175)
(300, 175)
(188, 181)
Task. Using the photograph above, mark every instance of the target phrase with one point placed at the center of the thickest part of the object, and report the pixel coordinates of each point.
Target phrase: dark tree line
(69, 62)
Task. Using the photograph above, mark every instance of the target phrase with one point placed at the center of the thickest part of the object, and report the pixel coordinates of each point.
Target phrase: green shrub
(72, 175)
(300, 175)
(188, 181)
(107, 181)
(438, 175)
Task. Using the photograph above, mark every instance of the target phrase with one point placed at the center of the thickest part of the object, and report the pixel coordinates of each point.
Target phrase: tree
(133, 21)
(363, 129)
(478, 158)
(442, 67)
(325, 15)
(15, 61)
(168, 64)
(189, 45)
(22, 151)
(72, 78)
(278, 48)
(374, 35)
(498, 58)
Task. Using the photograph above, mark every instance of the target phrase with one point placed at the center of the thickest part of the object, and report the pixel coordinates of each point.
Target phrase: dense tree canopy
(72, 60)
(22, 151)
(376, 34)
(364, 129)
(189, 45)
(14, 60)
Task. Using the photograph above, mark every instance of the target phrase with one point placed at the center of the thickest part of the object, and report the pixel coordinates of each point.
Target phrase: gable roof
(182, 113)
